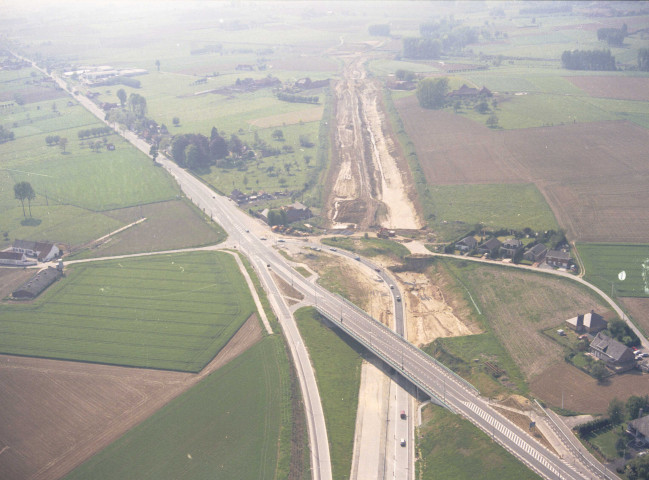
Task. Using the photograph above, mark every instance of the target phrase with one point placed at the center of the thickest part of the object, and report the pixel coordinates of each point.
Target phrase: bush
(586, 429)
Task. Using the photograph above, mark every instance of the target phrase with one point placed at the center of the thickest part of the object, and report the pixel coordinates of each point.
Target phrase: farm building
(639, 429)
(588, 323)
(510, 248)
(536, 253)
(466, 244)
(43, 251)
(15, 259)
(238, 196)
(38, 283)
(617, 356)
(491, 247)
(558, 258)
(297, 212)
(468, 92)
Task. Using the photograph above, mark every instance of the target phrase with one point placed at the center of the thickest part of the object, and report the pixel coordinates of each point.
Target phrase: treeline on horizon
(588, 60)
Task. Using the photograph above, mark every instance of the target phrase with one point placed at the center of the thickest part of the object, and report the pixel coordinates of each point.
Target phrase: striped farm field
(603, 263)
(170, 312)
(227, 426)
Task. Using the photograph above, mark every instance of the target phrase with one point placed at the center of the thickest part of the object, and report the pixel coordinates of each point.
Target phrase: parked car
(403, 414)
(402, 442)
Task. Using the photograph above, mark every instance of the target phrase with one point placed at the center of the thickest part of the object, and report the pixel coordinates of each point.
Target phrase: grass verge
(450, 447)
(338, 368)
(369, 247)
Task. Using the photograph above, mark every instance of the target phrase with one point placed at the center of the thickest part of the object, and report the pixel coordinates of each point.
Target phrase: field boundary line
(253, 292)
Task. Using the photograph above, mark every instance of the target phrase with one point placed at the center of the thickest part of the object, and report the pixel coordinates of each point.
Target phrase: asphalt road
(388, 345)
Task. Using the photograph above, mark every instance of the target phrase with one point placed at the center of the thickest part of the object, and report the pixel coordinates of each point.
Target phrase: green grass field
(604, 262)
(75, 189)
(369, 247)
(459, 354)
(286, 171)
(458, 208)
(513, 338)
(227, 426)
(338, 368)
(170, 311)
(450, 447)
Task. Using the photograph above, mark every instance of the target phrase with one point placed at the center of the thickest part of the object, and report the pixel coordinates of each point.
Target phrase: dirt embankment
(429, 314)
(369, 181)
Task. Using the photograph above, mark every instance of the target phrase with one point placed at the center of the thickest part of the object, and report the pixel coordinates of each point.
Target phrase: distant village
(514, 250)
(94, 76)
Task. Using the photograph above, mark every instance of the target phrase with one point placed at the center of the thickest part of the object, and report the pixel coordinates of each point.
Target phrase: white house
(43, 251)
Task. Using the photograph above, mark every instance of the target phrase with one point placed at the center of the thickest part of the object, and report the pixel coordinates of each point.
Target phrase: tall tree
(616, 411)
(157, 64)
(636, 403)
(121, 94)
(137, 103)
(193, 156)
(431, 92)
(24, 191)
(153, 151)
(643, 59)
(63, 143)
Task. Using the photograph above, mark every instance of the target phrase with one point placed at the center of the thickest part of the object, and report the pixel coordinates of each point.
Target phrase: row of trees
(453, 36)
(94, 132)
(643, 59)
(431, 92)
(291, 97)
(380, 30)
(588, 60)
(422, 48)
(196, 151)
(613, 36)
(52, 140)
(6, 135)
(406, 75)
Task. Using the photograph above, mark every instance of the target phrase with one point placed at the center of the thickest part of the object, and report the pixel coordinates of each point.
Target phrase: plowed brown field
(623, 88)
(594, 175)
(581, 392)
(638, 309)
(54, 415)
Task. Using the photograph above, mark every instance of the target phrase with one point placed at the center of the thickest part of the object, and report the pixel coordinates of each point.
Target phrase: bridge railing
(393, 363)
(409, 345)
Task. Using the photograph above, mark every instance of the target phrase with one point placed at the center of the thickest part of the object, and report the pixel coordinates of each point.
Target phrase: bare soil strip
(54, 415)
(369, 184)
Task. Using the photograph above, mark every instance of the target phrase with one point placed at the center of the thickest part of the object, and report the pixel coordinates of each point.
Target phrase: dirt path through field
(370, 182)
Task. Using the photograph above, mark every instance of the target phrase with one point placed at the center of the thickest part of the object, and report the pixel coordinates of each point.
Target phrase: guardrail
(601, 473)
(411, 346)
(395, 365)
